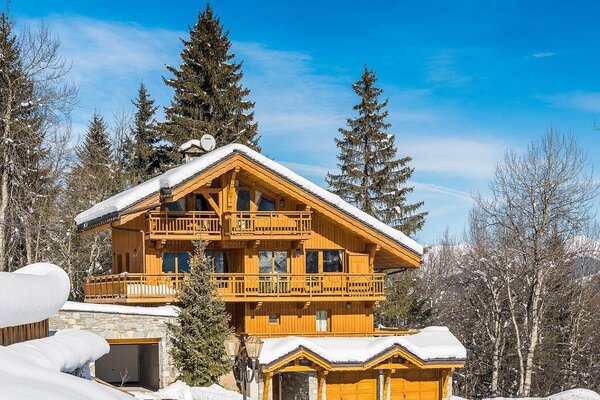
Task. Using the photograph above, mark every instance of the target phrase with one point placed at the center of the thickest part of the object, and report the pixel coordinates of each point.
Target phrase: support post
(268, 376)
(320, 382)
(387, 380)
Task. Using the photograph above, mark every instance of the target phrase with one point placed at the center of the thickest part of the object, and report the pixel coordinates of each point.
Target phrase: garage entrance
(352, 385)
(415, 385)
(131, 362)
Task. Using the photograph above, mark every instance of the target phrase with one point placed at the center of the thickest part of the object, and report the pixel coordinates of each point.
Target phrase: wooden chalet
(289, 258)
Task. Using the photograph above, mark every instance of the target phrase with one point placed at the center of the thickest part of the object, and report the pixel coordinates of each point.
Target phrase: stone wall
(123, 326)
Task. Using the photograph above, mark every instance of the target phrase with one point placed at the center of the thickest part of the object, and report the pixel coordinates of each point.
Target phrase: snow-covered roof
(109, 209)
(432, 344)
(161, 311)
(32, 293)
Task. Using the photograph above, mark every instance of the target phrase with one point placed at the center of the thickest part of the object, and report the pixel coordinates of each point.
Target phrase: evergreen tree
(209, 97)
(92, 178)
(143, 151)
(371, 177)
(203, 326)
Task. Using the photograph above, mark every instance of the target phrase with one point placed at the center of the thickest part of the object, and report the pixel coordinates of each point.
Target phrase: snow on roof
(110, 208)
(430, 344)
(571, 394)
(189, 144)
(162, 311)
(32, 293)
(65, 351)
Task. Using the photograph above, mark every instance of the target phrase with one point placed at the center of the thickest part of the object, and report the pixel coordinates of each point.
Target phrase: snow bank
(573, 394)
(430, 344)
(175, 176)
(32, 293)
(161, 311)
(21, 379)
(189, 144)
(181, 391)
(66, 351)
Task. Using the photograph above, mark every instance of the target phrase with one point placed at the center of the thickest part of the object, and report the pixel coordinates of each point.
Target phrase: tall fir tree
(203, 326)
(209, 97)
(143, 148)
(91, 179)
(371, 177)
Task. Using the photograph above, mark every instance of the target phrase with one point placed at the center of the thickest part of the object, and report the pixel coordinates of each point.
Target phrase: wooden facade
(22, 333)
(285, 261)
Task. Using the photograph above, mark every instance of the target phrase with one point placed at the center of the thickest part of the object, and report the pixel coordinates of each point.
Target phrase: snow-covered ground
(573, 394)
(180, 391)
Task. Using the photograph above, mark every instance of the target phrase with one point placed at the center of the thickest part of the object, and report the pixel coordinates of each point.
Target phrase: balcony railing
(155, 288)
(134, 288)
(193, 224)
(265, 224)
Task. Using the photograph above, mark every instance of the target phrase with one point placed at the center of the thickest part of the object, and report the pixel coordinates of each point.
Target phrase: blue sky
(466, 80)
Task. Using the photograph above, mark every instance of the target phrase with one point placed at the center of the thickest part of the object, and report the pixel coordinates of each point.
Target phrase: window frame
(321, 261)
(277, 319)
(177, 254)
(273, 271)
(327, 320)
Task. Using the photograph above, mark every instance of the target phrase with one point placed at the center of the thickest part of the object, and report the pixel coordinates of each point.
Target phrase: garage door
(351, 385)
(415, 385)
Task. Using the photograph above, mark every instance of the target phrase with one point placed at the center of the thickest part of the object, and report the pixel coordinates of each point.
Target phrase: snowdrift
(32, 294)
(181, 391)
(573, 394)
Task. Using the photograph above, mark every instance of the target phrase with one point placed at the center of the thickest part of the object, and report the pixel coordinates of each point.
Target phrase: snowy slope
(430, 344)
(32, 293)
(178, 175)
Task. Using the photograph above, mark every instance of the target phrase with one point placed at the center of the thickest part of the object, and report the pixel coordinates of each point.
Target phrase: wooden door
(415, 385)
(351, 385)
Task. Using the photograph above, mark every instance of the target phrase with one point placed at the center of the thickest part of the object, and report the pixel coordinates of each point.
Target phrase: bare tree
(539, 201)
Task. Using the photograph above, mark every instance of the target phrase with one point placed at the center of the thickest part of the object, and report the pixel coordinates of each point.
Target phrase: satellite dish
(208, 142)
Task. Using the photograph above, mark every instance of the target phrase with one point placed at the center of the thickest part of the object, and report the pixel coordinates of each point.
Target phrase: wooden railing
(134, 288)
(268, 223)
(183, 223)
(244, 287)
(157, 288)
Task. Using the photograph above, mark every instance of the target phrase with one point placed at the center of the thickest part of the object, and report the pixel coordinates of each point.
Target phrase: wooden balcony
(184, 225)
(300, 287)
(163, 288)
(252, 225)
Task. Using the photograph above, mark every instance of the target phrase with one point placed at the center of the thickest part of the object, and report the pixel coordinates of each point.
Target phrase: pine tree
(203, 326)
(209, 97)
(91, 179)
(371, 177)
(143, 150)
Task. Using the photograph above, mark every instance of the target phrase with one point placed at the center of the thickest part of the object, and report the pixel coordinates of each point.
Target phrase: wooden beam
(268, 376)
(320, 382)
(212, 203)
(252, 244)
(232, 187)
(372, 249)
(255, 305)
(302, 305)
(387, 381)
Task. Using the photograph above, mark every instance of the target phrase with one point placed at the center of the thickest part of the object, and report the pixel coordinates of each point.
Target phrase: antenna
(208, 142)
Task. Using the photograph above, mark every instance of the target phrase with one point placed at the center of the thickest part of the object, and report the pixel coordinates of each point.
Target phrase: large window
(176, 262)
(319, 261)
(323, 322)
(266, 205)
(218, 261)
(178, 205)
(272, 262)
(243, 200)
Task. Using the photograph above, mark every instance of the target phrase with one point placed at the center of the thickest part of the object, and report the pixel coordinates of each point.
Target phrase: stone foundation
(123, 326)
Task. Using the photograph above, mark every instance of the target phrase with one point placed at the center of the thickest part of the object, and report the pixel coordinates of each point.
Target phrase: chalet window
(243, 200)
(312, 262)
(218, 261)
(332, 260)
(323, 323)
(266, 205)
(318, 261)
(270, 262)
(178, 205)
(176, 262)
(274, 319)
(201, 203)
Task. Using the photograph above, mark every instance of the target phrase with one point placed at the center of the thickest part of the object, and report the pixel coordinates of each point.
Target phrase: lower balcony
(163, 288)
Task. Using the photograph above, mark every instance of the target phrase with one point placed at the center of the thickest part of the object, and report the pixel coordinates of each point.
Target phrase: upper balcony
(163, 288)
(236, 225)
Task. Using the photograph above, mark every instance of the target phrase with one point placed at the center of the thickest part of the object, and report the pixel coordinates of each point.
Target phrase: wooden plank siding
(22, 333)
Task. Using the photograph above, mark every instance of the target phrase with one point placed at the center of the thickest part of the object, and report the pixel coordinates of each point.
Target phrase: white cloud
(444, 191)
(454, 157)
(543, 54)
(586, 101)
(442, 69)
